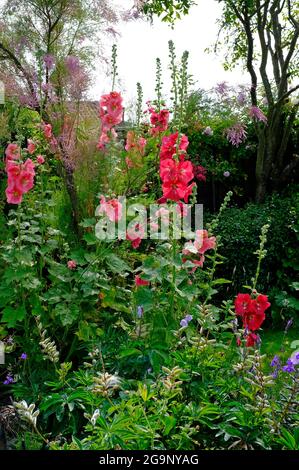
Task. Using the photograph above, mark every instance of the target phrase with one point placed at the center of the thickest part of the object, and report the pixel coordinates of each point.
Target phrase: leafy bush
(238, 230)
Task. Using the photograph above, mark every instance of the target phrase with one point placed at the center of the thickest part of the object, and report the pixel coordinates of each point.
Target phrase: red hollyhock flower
(169, 146)
(242, 304)
(252, 320)
(141, 282)
(252, 339)
(260, 304)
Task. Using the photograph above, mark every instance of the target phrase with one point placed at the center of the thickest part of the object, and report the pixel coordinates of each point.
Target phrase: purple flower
(9, 379)
(241, 98)
(139, 311)
(226, 174)
(208, 131)
(289, 367)
(185, 322)
(288, 325)
(23, 356)
(49, 61)
(72, 64)
(275, 362)
(295, 358)
(236, 134)
(256, 113)
(222, 88)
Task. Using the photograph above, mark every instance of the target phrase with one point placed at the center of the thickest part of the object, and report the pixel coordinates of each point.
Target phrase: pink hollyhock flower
(182, 209)
(174, 190)
(135, 235)
(159, 121)
(154, 226)
(40, 160)
(13, 194)
(104, 139)
(47, 128)
(142, 143)
(13, 170)
(237, 134)
(31, 147)
(141, 282)
(256, 113)
(112, 208)
(133, 144)
(163, 214)
(29, 166)
(25, 182)
(71, 264)
(13, 152)
(170, 143)
(203, 242)
(189, 192)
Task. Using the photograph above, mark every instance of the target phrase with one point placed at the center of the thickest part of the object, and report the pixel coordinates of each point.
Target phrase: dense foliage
(153, 337)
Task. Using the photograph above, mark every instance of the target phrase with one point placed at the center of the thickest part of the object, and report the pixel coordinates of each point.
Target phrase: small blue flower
(9, 379)
(139, 311)
(185, 322)
(23, 356)
(288, 325)
(289, 367)
(275, 362)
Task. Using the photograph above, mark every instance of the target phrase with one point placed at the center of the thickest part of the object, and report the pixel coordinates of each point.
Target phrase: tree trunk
(273, 142)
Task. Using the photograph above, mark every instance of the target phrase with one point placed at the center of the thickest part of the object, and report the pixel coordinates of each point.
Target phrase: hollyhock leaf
(11, 315)
(86, 223)
(144, 296)
(116, 264)
(90, 238)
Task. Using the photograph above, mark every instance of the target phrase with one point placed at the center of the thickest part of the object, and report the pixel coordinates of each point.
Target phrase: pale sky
(141, 43)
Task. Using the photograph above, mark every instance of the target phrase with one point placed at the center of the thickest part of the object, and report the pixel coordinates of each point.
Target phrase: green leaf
(220, 281)
(116, 264)
(90, 238)
(11, 315)
(130, 352)
(144, 297)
